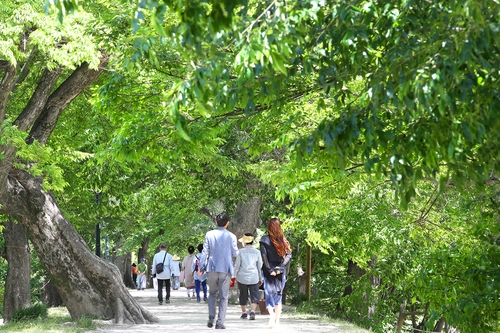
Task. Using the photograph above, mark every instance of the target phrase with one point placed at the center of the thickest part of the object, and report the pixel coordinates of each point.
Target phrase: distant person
(187, 268)
(218, 250)
(176, 272)
(134, 273)
(163, 278)
(142, 271)
(200, 281)
(276, 254)
(248, 268)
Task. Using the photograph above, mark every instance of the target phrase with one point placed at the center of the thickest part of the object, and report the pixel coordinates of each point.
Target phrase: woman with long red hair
(276, 254)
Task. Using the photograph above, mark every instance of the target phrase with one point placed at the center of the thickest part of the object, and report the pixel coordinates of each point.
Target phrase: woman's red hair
(278, 238)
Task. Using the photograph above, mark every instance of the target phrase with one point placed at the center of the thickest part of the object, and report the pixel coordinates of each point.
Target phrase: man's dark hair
(200, 247)
(163, 246)
(222, 219)
(191, 249)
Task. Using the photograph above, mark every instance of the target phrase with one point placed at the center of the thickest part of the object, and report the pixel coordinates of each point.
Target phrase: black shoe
(167, 301)
(205, 299)
(252, 315)
(160, 303)
(210, 323)
(220, 327)
(244, 315)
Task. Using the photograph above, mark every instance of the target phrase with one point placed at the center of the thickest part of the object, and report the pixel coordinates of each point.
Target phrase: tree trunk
(124, 264)
(439, 325)
(88, 284)
(143, 253)
(17, 285)
(247, 217)
(50, 295)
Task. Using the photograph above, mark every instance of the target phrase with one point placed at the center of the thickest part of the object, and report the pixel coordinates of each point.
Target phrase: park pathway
(184, 315)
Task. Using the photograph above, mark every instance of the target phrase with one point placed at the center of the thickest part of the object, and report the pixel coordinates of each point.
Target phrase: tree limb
(207, 212)
(5, 87)
(38, 100)
(75, 84)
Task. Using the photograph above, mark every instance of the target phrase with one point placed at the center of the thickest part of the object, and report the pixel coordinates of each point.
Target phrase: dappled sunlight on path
(184, 315)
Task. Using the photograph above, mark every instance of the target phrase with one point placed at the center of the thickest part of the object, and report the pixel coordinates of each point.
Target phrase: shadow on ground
(185, 315)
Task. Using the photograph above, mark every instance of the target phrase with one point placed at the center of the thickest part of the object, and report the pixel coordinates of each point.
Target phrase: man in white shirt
(163, 277)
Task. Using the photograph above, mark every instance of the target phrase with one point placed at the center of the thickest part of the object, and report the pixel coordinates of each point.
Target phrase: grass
(58, 320)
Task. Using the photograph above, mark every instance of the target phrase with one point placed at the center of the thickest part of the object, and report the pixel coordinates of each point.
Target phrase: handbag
(181, 277)
(159, 266)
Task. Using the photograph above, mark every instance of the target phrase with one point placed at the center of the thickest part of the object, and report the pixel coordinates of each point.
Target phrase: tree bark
(124, 264)
(17, 285)
(246, 218)
(50, 295)
(73, 86)
(88, 284)
(8, 80)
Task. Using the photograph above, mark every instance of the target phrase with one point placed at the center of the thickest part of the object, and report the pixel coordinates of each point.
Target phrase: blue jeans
(197, 285)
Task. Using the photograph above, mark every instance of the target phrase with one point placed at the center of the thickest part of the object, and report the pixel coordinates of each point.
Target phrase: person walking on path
(176, 272)
(163, 278)
(247, 268)
(219, 248)
(276, 253)
(200, 281)
(134, 274)
(141, 278)
(187, 268)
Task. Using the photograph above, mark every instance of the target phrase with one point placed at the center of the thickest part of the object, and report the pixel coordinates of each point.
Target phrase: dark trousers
(160, 289)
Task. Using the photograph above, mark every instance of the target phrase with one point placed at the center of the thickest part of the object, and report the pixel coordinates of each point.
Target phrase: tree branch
(38, 100)
(207, 212)
(5, 87)
(78, 81)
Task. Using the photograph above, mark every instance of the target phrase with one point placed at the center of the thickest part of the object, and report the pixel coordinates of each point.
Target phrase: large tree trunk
(88, 284)
(124, 264)
(246, 218)
(17, 285)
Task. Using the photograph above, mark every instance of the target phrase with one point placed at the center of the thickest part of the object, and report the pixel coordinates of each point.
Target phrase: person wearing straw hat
(247, 269)
(176, 272)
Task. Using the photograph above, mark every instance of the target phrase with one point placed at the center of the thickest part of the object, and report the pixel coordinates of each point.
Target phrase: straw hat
(246, 239)
(175, 257)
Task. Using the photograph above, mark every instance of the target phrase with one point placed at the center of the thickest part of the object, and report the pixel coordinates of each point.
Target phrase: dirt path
(184, 315)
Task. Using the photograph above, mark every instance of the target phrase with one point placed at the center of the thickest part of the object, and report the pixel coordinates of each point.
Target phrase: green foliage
(335, 107)
(86, 322)
(56, 321)
(33, 312)
(45, 157)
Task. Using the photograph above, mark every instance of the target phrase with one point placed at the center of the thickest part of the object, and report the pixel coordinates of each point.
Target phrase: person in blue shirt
(200, 281)
(219, 248)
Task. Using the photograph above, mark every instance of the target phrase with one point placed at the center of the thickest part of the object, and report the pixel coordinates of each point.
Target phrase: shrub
(33, 312)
